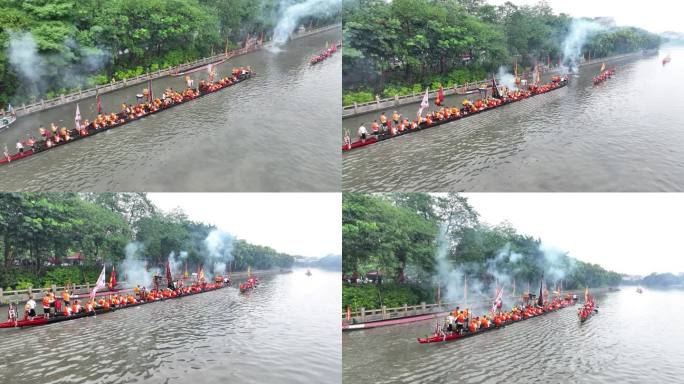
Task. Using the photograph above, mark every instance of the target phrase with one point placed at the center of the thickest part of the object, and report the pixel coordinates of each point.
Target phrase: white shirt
(31, 303)
(450, 318)
(362, 130)
(20, 145)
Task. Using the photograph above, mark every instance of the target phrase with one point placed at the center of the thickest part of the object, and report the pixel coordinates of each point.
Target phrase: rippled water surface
(275, 132)
(633, 339)
(623, 135)
(286, 331)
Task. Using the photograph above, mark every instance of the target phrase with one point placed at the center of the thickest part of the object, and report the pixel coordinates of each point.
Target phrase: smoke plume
(219, 253)
(580, 31)
(65, 67)
(134, 268)
(292, 13)
(507, 79)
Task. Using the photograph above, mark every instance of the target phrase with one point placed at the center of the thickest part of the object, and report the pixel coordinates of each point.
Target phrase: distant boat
(639, 290)
(667, 59)
(7, 119)
(308, 272)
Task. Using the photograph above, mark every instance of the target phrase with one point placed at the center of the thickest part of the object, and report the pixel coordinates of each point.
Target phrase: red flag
(168, 272)
(112, 279)
(440, 96)
(99, 104)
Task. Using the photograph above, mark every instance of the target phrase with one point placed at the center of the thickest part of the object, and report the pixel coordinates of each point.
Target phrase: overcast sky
(307, 224)
(626, 232)
(653, 15)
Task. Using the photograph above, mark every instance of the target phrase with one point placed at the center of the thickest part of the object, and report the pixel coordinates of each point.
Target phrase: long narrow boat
(457, 336)
(40, 147)
(586, 311)
(41, 320)
(463, 114)
(248, 285)
(325, 54)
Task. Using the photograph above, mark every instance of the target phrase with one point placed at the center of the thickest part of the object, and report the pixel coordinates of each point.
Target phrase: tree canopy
(53, 46)
(399, 234)
(401, 46)
(39, 230)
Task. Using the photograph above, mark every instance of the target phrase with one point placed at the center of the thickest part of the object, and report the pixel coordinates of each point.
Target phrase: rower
(347, 139)
(375, 127)
(20, 147)
(363, 133)
(395, 118)
(383, 123)
(30, 308)
(136, 291)
(76, 307)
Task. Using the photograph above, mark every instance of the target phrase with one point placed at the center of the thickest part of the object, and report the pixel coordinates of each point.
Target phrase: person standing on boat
(46, 306)
(20, 147)
(395, 118)
(363, 133)
(66, 297)
(30, 308)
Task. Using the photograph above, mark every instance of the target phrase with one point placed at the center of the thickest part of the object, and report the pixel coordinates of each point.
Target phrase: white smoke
(134, 268)
(293, 13)
(447, 276)
(507, 79)
(41, 72)
(580, 31)
(219, 253)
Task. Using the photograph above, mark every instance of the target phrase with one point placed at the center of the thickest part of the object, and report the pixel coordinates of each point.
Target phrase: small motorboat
(639, 290)
(308, 272)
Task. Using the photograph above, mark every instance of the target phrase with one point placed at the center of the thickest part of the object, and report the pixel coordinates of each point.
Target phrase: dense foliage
(39, 230)
(399, 235)
(66, 44)
(418, 43)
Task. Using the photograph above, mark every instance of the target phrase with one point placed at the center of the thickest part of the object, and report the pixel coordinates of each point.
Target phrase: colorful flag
(603, 67)
(99, 284)
(99, 104)
(169, 278)
(540, 300)
(149, 91)
(348, 313)
(513, 294)
(77, 119)
(112, 279)
(586, 294)
(440, 96)
(465, 289)
(423, 104)
(497, 299)
(200, 276)
(185, 274)
(10, 110)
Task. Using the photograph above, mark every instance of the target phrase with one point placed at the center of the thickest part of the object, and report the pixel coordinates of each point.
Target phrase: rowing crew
(398, 125)
(605, 75)
(327, 53)
(460, 322)
(56, 135)
(249, 284)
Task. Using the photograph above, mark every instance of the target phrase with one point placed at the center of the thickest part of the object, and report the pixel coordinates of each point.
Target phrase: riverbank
(385, 316)
(357, 109)
(22, 295)
(64, 99)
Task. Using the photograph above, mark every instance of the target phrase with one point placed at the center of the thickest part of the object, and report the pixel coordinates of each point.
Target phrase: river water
(633, 338)
(285, 331)
(623, 135)
(275, 132)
